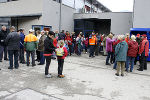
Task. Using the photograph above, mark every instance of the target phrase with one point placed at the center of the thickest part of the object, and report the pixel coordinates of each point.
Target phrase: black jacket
(13, 41)
(61, 36)
(3, 35)
(48, 46)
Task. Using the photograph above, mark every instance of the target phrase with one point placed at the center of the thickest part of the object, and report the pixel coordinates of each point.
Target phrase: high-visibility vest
(92, 41)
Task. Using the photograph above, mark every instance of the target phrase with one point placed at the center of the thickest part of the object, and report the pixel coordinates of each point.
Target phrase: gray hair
(12, 28)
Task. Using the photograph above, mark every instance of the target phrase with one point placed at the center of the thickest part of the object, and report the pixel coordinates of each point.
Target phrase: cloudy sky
(118, 5)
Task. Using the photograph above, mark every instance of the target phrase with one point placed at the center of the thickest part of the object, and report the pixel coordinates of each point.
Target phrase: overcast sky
(118, 5)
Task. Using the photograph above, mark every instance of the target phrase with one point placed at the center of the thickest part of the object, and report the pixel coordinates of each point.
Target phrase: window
(2, 1)
(57, 1)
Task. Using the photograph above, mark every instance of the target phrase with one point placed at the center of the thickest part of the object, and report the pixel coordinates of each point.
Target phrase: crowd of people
(121, 50)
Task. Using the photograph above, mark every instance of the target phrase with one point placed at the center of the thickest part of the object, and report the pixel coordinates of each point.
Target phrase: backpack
(60, 52)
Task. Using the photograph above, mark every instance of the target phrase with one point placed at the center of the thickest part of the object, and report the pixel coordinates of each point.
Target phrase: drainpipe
(60, 16)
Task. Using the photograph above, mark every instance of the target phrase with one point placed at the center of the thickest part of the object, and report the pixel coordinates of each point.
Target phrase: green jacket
(31, 46)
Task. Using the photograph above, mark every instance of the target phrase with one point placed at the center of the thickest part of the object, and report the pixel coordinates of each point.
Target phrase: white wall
(21, 7)
(51, 15)
(27, 23)
(141, 17)
(120, 22)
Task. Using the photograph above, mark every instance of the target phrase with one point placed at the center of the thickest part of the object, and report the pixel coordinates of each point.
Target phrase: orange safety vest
(92, 41)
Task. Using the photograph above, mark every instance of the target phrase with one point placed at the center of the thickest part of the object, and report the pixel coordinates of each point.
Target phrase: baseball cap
(31, 30)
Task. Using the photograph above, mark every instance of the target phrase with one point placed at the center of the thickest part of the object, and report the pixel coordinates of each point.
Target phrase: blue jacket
(121, 51)
(22, 36)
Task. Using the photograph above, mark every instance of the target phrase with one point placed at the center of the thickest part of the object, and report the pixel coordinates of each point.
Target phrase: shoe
(0, 60)
(61, 76)
(122, 74)
(33, 65)
(6, 59)
(108, 64)
(139, 69)
(23, 63)
(48, 76)
(40, 64)
(10, 68)
(126, 70)
(117, 74)
(16, 67)
(130, 70)
(27, 64)
(0, 69)
(145, 68)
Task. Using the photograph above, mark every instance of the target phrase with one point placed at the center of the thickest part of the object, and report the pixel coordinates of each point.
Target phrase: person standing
(109, 42)
(21, 56)
(38, 35)
(121, 56)
(143, 52)
(92, 43)
(97, 45)
(3, 47)
(41, 48)
(61, 58)
(138, 40)
(13, 43)
(127, 39)
(73, 41)
(79, 41)
(30, 44)
(48, 50)
(132, 52)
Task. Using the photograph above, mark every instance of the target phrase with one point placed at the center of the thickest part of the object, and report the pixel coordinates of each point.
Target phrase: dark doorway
(87, 26)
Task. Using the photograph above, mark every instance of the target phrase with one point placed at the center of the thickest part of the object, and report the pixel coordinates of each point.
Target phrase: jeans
(60, 66)
(32, 56)
(70, 49)
(42, 58)
(108, 57)
(92, 49)
(79, 50)
(130, 60)
(21, 56)
(5, 52)
(1, 52)
(115, 65)
(48, 61)
(15, 54)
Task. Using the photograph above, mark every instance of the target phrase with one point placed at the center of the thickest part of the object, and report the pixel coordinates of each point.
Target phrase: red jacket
(114, 44)
(65, 53)
(69, 39)
(132, 48)
(144, 47)
(55, 42)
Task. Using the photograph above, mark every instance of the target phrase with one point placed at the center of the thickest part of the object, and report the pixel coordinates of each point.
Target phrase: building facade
(68, 15)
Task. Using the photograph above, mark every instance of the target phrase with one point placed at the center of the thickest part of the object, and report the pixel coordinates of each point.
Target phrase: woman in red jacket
(132, 52)
(69, 42)
(60, 57)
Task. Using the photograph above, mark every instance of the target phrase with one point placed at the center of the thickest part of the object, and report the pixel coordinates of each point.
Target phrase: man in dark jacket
(13, 43)
(21, 56)
(48, 50)
(61, 36)
(3, 47)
